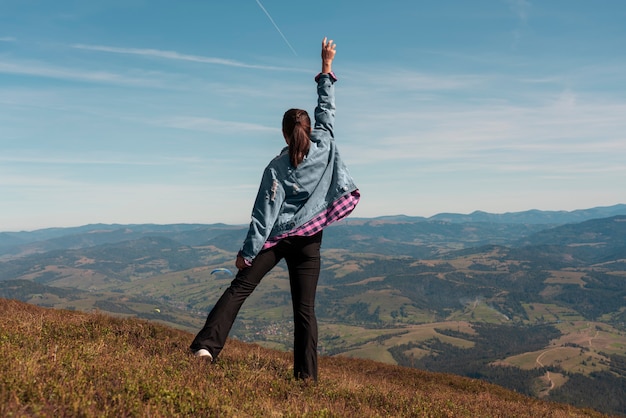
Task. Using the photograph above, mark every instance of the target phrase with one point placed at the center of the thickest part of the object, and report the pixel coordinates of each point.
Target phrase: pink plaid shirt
(340, 208)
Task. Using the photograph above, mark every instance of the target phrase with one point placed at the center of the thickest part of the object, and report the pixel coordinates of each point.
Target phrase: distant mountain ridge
(533, 216)
(194, 234)
(97, 234)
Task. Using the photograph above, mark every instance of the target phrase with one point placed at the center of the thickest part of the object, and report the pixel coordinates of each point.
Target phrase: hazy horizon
(243, 224)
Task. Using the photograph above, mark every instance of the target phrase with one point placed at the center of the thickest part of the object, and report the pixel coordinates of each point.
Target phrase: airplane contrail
(276, 26)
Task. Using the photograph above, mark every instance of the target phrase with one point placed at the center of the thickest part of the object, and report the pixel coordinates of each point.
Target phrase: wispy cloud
(404, 80)
(7, 39)
(521, 8)
(100, 160)
(571, 129)
(213, 125)
(173, 55)
(38, 69)
(33, 180)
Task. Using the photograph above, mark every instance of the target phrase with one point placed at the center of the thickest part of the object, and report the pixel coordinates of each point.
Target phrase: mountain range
(534, 301)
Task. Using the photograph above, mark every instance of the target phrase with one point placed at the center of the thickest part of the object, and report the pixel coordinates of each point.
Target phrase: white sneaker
(203, 353)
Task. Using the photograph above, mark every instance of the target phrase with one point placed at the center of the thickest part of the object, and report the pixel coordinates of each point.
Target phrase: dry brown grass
(56, 363)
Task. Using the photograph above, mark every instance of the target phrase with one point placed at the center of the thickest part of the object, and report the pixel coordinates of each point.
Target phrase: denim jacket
(289, 197)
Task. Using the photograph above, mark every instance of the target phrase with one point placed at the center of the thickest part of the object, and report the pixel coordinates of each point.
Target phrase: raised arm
(325, 110)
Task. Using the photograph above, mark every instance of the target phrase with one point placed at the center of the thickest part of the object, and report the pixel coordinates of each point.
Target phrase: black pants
(302, 255)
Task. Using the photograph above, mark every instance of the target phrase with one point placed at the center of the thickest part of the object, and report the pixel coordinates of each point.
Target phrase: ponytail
(297, 132)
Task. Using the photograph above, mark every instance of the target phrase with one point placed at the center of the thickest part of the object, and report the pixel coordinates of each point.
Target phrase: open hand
(328, 55)
(328, 50)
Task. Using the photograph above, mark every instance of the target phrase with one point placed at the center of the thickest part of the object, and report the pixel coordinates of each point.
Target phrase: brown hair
(297, 132)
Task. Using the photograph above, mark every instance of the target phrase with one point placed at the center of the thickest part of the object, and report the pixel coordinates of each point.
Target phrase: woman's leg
(220, 320)
(303, 261)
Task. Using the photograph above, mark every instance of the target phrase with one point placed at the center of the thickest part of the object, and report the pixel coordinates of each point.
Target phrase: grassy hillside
(67, 363)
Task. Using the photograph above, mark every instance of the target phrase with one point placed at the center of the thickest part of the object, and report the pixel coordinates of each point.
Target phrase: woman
(304, 189)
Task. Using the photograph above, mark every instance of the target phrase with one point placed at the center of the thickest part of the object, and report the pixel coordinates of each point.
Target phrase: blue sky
(140, 111)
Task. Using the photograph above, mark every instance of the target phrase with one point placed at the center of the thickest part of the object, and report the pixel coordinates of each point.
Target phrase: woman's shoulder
(280, 163)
